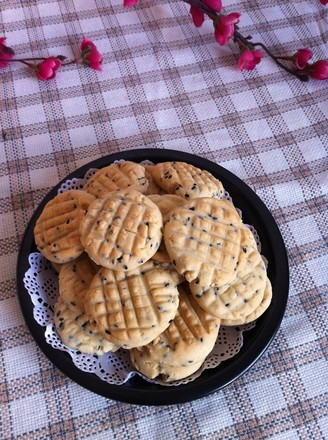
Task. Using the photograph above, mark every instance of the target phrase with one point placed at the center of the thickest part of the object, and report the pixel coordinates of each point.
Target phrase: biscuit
(122, 230)
(169, 267)
(145, 365)
(132, 308)
(56, 231)
(161, 255)
(76, 332)
(238, 298)
(203, 240)
(265, 303)
(120, 175)
(247, 246)
(152, 188)
(74, 280)
(188, 339)
(166, 202)
(56, 266)
(186, 180)
(251, 238)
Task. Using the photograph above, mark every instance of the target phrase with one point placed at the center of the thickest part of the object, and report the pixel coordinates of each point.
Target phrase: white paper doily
(41, 282)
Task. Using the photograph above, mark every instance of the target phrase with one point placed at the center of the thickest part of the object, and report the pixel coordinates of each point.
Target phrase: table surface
(165, 84)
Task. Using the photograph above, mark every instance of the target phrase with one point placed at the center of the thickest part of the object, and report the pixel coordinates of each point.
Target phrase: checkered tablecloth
(167, 84)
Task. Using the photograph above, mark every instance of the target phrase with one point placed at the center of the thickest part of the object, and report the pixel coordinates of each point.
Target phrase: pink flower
(197, 16)
(225, 27)
(324, 2)
(319, 70)
(90, 54)
(215, 5)
(249, 59)
(47, 69)
(6, 53)
(301, 58)
(129, 3)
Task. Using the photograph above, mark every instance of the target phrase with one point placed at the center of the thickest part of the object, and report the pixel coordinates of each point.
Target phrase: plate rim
(211, 380)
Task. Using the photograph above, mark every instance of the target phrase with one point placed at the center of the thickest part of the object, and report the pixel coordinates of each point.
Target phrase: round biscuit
(186, 180)
(238, 298)
(132, 308)
(120, 175)
(56, 231)
(203, 240)
(122, 230)
(188, 339)
(168, 373)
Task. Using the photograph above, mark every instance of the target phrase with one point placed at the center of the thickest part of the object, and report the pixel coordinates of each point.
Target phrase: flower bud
(215, 5)
(301, 57)
(47, 68)
(90, 55)
(6, 53)
(129, 3)
(225, 27)
(249, 59)
(197, 16)
(319, 70)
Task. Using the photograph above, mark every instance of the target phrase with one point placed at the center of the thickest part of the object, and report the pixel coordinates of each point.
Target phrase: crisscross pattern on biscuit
(238, 298)
(203, 240)
(56, 231)
(122, 231)
(246, 318)
(118, 176)
(132, 308)
(189, 337)
(186, 180)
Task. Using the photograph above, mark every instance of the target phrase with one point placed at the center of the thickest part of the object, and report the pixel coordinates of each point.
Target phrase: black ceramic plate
(256, 341)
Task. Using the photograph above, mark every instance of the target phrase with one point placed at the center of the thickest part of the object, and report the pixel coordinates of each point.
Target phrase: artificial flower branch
(241, 40)
(47, 68)
(226, 27)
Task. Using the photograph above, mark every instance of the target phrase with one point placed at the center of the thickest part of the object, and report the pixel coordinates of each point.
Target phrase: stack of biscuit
(152, 259)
